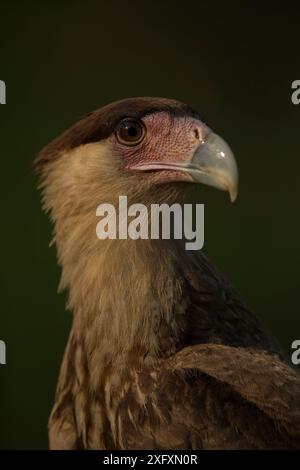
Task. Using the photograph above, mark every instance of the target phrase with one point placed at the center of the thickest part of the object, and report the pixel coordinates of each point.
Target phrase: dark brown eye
(130, 131)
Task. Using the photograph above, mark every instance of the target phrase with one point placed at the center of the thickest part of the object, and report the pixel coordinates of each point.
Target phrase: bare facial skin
(167, 139)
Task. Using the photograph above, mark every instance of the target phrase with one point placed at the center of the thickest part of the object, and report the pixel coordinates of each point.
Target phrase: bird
(163, 353)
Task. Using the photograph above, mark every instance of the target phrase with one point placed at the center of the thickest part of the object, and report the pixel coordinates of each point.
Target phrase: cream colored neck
(124, 295)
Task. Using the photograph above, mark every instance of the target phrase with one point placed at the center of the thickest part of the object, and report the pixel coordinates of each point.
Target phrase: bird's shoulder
(212, 396)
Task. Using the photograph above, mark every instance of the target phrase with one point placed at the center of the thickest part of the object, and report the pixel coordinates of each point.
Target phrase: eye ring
(130, 131)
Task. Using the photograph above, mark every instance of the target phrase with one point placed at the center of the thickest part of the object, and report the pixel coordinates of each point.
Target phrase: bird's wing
(211, 396)
(260, 378)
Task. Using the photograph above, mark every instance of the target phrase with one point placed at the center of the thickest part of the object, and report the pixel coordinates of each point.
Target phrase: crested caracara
(163, 353)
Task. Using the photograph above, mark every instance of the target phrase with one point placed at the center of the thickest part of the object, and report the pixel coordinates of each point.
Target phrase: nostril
(197, 133)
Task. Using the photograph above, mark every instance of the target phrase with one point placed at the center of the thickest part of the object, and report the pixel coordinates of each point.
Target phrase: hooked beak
(212, 163)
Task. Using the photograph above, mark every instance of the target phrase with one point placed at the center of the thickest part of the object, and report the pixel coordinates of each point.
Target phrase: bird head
(135, 147)
(150, 150)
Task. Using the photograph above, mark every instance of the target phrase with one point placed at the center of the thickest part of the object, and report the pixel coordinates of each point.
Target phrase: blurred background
(62, 59)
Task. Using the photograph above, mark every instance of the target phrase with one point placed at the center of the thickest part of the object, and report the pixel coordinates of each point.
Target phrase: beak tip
(233, 193)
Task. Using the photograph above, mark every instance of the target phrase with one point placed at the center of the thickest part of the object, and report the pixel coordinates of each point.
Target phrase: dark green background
(235, 64)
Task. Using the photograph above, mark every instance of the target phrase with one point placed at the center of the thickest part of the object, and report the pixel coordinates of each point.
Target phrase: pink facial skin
(167, 139)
